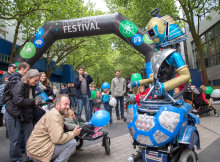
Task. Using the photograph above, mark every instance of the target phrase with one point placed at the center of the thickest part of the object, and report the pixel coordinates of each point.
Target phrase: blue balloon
(100, 118)
(105, 85)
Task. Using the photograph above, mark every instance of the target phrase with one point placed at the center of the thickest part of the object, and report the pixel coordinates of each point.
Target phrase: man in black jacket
(11, 70)
(22, 68)
(4, 80)
(82, 91)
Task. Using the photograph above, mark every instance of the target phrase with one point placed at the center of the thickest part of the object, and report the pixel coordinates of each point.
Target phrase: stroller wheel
(187, 156)
(106, 144)
(79, 143)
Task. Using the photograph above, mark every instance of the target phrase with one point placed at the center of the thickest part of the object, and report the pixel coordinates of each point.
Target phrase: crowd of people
(49, 136)
(39, 134)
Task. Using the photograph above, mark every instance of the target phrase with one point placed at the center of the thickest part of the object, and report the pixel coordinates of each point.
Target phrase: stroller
(86, 136)
(200, 107)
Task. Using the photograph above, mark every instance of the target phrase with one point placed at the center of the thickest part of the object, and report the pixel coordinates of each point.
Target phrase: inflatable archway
(82, 27)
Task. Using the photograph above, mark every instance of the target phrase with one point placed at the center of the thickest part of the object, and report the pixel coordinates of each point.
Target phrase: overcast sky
(99, 4)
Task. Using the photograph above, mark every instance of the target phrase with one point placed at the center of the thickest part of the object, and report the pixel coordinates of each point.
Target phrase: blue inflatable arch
(82, 27)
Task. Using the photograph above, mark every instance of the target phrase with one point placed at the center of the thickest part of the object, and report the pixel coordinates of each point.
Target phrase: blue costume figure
(164, 122)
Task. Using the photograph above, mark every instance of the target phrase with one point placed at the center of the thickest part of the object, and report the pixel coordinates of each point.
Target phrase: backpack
(2, 88)
(197, 90)
(7, 91)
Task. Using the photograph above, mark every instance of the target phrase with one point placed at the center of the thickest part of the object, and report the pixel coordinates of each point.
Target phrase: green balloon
(209, 90)
(93, 94)
(136, 77)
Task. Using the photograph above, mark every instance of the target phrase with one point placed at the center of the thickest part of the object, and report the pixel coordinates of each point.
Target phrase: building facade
(209, 31)
(62, 74)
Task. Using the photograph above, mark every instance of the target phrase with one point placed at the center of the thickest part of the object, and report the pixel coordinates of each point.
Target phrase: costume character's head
(164, 31)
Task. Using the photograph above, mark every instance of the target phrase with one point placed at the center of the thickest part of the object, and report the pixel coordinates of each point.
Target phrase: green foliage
(138, 11)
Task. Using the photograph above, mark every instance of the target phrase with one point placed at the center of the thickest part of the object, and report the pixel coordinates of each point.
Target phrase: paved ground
(121, 143)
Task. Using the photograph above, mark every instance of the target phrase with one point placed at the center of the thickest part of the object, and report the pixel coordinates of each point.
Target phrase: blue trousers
(81, 102)
(15, 126)
(109, 109)
(73, 102)
(120, 100)
(91, 108)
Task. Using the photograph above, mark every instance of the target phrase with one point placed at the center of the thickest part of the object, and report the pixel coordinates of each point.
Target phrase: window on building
(210, 41)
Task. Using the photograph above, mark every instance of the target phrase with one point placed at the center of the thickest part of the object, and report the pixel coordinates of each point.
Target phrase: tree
(138, 11)
(101, 58)
(58, 53)
(192, 9)
(27, 16)
(195, 9)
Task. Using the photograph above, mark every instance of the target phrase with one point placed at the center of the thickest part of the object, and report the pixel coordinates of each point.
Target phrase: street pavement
(121, 143)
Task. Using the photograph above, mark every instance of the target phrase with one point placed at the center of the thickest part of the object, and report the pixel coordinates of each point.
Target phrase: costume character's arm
(182, 71)
(141, 82)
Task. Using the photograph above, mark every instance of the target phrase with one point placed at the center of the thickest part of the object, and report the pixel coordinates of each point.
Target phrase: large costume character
(156, 122)
(166, 60)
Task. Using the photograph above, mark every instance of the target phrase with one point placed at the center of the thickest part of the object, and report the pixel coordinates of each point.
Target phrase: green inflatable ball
(93, 94)
(136, 77)
(209, 90)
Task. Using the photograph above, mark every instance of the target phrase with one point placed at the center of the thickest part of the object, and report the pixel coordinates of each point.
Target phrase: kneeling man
(48, 141)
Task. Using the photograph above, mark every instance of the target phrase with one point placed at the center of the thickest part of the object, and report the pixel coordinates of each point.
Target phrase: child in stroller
(197, 98)
(88, 131)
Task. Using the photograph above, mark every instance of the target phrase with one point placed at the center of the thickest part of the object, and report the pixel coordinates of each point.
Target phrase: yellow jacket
(46, 134)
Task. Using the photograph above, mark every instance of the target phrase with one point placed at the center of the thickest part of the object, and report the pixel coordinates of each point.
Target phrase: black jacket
(78, 86)
(64, 91)
(20, 106)
(12, 80)
(72, 91)
(15, 77)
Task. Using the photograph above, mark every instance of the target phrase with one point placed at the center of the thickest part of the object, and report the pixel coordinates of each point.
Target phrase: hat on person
(12, 65)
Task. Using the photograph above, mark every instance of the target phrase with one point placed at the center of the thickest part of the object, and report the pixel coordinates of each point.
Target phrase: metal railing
(4, 58)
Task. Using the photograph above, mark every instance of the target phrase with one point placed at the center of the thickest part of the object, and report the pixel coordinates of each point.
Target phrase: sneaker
(97, 129)
(122, 117)
(97, 134)
(118, 118)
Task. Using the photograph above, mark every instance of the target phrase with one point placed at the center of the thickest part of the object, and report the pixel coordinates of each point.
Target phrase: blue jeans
(109, 109)
(91, 107)
(73, 101)
(81, 102)
(15, 126)
(121, 101)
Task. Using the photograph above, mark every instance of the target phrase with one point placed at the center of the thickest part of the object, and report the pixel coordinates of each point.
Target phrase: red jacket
(203, 97)
(141, 95)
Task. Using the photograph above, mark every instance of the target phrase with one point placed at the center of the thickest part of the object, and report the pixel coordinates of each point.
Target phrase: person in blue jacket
(82, 91)
(105, 99)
